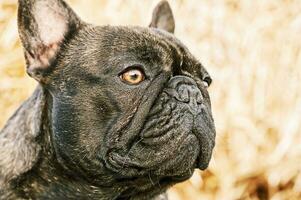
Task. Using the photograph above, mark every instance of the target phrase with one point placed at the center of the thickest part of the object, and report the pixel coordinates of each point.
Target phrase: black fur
(85, 134)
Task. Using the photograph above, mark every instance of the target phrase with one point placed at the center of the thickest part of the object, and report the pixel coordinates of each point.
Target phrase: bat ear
(163, 17)
(43, 27)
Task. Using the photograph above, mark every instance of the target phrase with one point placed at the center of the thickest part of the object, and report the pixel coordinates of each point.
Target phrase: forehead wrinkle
(176, 47)
(168, 54)
(158, 45)
(186, 57)
(178, 55)
(140, 38)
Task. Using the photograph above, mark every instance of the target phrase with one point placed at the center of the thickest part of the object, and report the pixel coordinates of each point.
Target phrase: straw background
(252, 48)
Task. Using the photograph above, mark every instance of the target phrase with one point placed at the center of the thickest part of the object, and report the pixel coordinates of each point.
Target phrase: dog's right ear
(43, 27)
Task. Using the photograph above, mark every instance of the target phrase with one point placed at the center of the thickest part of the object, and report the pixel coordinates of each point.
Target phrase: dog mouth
(174, 120)
(176, 137)
(172, 141)
(199, 131)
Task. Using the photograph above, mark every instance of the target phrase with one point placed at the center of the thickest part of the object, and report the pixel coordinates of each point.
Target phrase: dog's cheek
(80, 124)
(65, 131)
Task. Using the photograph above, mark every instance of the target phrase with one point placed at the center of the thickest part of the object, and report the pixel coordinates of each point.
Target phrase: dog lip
(180, 178)
(201, 164)
(205, 155)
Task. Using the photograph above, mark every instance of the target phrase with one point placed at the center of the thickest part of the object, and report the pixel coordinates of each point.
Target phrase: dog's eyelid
(133, 67)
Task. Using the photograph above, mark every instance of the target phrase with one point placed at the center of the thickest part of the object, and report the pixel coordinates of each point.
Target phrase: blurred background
(252, 49)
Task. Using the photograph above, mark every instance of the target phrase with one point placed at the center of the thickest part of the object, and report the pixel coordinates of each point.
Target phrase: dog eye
(132, 76)
(207, 81)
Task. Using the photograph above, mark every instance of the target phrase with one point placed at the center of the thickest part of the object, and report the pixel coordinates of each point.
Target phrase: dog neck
(43, 177)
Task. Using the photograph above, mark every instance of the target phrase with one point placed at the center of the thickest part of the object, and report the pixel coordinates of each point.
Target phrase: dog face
(128, 105)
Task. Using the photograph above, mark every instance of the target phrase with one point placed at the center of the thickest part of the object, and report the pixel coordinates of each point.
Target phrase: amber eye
(133, 76)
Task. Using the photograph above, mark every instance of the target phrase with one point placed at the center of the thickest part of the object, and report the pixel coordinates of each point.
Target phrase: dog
(120, 112)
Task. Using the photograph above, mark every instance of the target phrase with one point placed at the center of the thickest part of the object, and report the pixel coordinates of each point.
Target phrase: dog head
(128, 105)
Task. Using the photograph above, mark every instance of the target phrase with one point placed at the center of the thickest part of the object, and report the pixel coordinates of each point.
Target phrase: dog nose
(184, 89)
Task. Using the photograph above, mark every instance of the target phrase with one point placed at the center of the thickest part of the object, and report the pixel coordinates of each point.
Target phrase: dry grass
(252, 49)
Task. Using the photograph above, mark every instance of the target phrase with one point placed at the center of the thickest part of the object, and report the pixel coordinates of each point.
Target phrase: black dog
(120, 112)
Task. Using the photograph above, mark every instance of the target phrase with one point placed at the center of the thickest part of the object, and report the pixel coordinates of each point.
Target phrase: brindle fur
(85, 134)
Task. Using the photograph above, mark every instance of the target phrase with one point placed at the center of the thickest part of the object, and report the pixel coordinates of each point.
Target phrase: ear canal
(43, 26)
(163, 18)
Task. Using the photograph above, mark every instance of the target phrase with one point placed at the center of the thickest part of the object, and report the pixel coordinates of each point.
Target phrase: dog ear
(163, 17)
(43, 27)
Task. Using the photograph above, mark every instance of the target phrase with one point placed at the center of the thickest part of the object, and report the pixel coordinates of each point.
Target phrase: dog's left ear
(43, 27)
(163, 17)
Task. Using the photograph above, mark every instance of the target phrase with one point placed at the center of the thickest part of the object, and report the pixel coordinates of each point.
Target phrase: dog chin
(168, 161)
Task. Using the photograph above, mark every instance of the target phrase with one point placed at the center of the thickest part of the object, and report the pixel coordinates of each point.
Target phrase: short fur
(87, 134)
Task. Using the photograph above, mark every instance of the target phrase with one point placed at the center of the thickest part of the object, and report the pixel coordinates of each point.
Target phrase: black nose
(184, 89)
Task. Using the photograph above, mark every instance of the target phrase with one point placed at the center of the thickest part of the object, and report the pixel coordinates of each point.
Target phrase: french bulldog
(120, 112)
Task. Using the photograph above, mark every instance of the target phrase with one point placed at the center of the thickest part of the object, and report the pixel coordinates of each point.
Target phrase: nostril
(176, 81)
(184, 89)
(199, 98)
